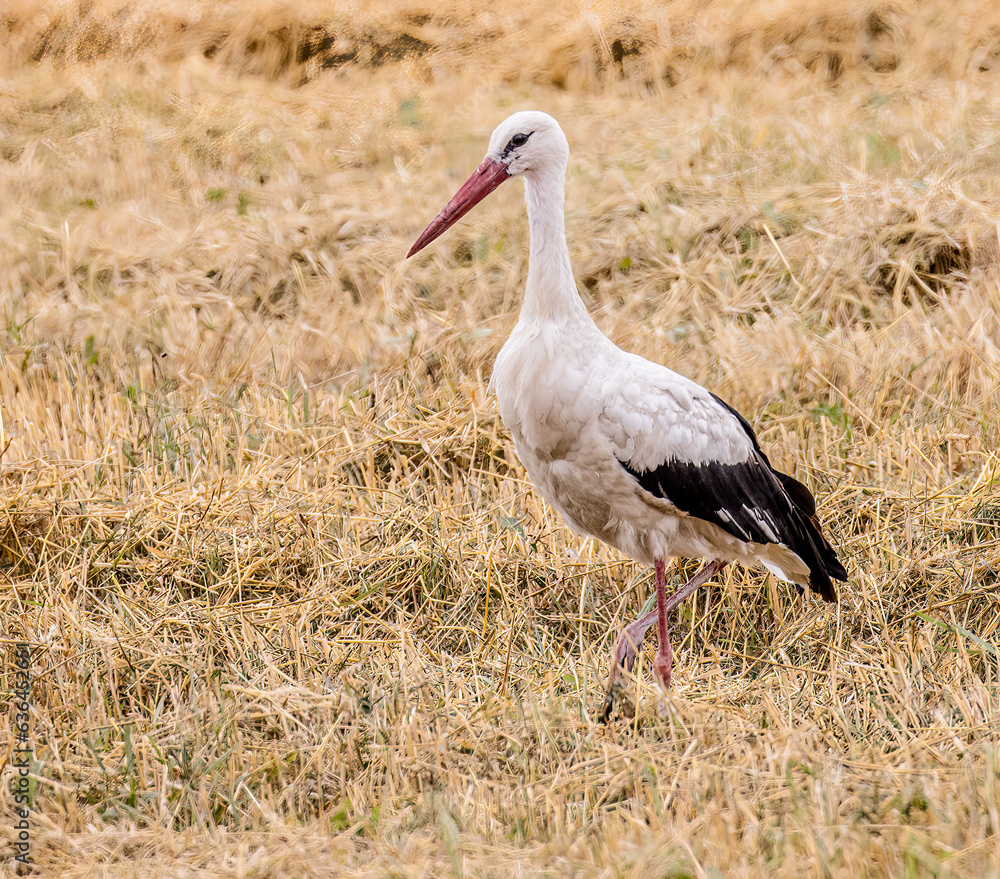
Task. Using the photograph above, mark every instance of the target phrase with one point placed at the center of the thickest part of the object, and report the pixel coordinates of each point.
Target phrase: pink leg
(664, 659)
(626, 649)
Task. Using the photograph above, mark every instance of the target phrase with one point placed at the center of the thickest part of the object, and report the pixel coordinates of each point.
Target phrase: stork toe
(617, 692)
(622, 664)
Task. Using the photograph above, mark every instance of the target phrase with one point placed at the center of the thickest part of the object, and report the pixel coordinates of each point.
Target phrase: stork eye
(518, 140)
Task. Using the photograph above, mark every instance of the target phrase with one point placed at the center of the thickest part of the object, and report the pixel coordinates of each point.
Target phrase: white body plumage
(577, 407)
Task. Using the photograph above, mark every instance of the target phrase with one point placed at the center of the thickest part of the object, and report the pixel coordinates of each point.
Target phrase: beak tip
(487, 177)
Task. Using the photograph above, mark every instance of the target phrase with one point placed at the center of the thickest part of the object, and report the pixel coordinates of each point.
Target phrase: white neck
(551, 291)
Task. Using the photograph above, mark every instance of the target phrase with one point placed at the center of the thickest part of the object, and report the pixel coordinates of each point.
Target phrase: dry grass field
(293, 608)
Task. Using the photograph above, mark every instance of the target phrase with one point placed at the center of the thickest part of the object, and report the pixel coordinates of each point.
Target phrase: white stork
(627, 450)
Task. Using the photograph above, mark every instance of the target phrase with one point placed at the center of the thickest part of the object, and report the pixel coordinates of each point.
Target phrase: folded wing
(694, 451)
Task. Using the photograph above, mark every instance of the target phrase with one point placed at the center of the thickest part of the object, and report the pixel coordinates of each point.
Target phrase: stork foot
(619, 694)
(622, 664)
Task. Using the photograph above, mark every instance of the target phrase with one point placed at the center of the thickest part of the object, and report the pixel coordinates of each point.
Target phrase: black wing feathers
(800, 495)
(802, 498)
(751, 501)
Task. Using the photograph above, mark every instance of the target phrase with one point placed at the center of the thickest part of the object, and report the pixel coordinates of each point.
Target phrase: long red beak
(487, 177)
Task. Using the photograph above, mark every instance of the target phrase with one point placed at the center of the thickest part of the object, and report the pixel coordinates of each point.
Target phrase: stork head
(527, 143)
